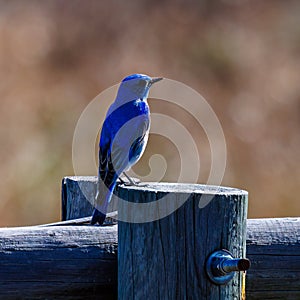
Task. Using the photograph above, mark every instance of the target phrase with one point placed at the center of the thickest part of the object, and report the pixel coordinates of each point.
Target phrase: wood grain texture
(45, 263)
(273, 246)
(80, 262)
(165, 259)
(58, 262)
(78, 194)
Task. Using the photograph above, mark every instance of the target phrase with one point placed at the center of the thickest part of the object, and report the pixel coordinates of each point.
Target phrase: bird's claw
(131, 181)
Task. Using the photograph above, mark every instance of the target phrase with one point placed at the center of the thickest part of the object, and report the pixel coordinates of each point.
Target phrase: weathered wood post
(66, 260)
(273, 246)
(162, 250)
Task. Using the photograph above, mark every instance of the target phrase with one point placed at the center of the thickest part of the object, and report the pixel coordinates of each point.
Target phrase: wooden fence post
(273, 245)
(165, 258)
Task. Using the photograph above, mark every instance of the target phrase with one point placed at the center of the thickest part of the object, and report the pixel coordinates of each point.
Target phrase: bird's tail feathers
(98, 217)
(102, 199)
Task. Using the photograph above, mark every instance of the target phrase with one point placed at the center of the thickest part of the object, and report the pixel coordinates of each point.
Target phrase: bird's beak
(153, 80)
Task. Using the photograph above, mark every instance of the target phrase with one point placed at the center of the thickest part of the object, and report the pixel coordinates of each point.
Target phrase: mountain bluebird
(123, 137)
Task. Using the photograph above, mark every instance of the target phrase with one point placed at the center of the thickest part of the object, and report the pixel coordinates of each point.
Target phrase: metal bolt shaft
(221, 265)
(236, 264)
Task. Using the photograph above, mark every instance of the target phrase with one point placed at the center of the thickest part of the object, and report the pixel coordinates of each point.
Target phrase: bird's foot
(98, 217)
(131, 181)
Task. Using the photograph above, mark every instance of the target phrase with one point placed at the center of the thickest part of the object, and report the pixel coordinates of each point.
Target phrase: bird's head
(136, 86)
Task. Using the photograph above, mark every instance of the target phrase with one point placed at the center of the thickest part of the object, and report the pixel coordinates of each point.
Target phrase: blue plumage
(123, 139)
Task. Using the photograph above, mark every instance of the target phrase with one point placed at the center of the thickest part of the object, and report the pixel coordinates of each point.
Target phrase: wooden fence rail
(80, 261)
(58, 262)
(73, 262)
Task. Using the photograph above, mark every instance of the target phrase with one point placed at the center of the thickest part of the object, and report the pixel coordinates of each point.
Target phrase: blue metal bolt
(221, 265)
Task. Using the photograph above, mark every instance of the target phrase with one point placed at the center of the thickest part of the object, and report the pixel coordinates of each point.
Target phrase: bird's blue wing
(138, 146)
(106, 170)
(123, 138)
(129, 145)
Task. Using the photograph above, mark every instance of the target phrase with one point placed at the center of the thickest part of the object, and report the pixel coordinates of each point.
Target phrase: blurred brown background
(56, 56)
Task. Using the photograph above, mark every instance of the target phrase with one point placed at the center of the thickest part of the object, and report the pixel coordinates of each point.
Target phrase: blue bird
(123, 139)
